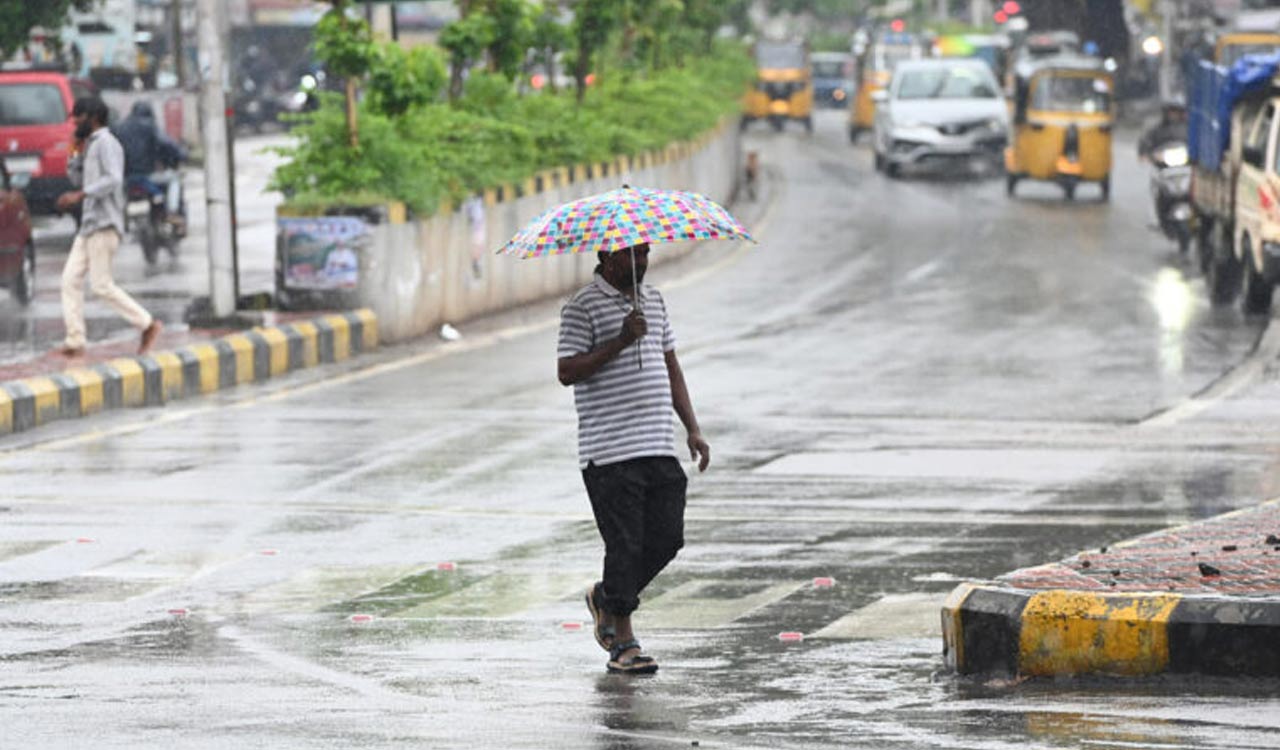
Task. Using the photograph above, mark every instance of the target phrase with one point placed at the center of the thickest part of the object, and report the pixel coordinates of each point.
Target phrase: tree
(345, 46)
(550, 38)
(513, 34)
(19, 17)
(400, 80)
(466, 40)
(593, 21)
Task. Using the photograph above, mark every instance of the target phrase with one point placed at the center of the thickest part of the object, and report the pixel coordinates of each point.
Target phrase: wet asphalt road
(907, 384)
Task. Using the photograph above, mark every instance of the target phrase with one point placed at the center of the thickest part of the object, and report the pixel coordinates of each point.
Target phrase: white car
(940, 111)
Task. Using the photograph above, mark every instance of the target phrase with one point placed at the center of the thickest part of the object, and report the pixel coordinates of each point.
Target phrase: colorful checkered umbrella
(623, 218)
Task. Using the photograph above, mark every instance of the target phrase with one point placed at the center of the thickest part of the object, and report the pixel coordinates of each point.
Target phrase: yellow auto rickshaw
(784, 86)
(1062, 125)
(872, 72)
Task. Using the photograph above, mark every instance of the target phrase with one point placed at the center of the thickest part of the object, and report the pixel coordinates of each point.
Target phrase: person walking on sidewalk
(101, 197)
(626, 438)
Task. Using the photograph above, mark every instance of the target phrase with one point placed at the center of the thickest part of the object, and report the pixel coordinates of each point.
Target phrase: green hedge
(437, 152)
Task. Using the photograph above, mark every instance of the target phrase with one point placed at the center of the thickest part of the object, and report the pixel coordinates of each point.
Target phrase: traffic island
(1197, 599)
(198, 368)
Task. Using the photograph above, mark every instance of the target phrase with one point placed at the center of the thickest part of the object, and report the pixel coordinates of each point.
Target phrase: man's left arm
(698, 447)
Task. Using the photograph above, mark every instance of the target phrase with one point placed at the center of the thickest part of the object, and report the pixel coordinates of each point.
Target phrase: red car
(17, 251)
(36, 131)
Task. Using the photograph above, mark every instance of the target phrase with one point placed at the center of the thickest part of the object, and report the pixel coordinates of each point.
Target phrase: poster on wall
(322, 253)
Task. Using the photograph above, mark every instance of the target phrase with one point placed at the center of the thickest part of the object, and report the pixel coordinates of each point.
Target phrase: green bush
(422, 151)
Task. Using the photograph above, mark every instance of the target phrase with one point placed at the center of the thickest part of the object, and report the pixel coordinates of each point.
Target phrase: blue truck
(1233, 117)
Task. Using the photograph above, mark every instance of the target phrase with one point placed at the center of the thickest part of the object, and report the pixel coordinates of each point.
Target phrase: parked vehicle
(940, 112)
(36, 131)
(784, 86)
(1062, 125)
(872, 72)
(1170, 188)
(17, 250)
(831, 73)
(1234, 146)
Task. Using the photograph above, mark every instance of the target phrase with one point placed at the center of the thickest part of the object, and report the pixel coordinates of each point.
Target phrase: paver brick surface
(1237, 555)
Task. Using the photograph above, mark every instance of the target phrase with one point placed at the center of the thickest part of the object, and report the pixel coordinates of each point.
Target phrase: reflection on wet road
(908, 383)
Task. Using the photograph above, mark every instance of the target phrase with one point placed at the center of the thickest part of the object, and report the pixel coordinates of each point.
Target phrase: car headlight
(1173, 156)
(996, 124)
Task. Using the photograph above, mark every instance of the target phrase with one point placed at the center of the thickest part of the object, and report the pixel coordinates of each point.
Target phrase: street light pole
(217, 167)
(1168, 9)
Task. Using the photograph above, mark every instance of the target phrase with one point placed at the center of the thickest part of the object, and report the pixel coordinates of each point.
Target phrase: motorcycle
(155, 213)
(1170, 187)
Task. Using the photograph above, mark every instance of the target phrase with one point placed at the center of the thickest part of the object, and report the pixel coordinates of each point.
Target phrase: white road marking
(891, 616)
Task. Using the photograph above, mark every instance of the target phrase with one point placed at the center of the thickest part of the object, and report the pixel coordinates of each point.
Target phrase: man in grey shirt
(618, 351)
(100, 164)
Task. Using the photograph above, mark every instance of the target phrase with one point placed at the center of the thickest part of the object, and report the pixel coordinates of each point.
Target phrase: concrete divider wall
(419, 274)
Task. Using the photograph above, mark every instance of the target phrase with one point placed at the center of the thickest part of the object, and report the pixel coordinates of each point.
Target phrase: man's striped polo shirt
(624, 410)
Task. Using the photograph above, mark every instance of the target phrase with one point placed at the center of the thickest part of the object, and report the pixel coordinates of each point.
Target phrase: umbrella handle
(635, 303)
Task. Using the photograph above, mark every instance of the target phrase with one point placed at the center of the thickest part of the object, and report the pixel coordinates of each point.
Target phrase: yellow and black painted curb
(991, 629)
(152, 380)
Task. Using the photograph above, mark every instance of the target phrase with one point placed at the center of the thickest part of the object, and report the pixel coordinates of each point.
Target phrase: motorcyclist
(1172, 128)
(145, 149)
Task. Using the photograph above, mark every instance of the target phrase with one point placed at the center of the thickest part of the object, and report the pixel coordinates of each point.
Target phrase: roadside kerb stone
(154, 379)
(1202, 598)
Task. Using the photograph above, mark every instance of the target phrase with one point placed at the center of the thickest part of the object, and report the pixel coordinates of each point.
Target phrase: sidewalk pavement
(1202, 598)
(188, 362)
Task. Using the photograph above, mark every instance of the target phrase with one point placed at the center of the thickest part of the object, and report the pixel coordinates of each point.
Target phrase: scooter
(1170, 187)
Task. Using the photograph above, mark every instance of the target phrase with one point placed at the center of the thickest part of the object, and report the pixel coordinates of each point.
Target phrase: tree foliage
(593, 21)
(400, 80)
(19, 17)
(465, 39)
(435, 152)
(344, 44)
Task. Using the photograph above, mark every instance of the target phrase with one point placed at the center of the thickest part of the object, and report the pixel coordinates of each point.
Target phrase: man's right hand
(634, 328)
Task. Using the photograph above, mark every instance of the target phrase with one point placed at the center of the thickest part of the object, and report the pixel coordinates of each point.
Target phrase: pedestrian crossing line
(502, 595)
(315, 589)
(711, 603)
(912, 615)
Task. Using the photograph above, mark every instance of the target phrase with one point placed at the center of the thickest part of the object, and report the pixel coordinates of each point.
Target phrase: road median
(197, 368)
(1197, 599)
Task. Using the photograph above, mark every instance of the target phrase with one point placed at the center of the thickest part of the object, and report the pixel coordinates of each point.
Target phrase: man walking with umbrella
(626, 438)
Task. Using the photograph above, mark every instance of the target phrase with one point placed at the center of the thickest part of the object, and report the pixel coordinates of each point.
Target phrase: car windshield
(889, 55)
(780, 56)
(31, 104)
(1072, 94)
(945, 83)
(828, 69)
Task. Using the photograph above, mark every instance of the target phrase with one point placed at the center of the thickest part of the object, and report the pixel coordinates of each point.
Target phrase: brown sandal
(604, 633)
(638, 664)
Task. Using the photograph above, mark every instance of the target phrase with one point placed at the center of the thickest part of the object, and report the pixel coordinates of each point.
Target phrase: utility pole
(979, 13)
(217, 167)
(1168, 9)
(175, 34)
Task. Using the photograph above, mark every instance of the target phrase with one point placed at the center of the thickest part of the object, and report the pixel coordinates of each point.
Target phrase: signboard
(322, 253)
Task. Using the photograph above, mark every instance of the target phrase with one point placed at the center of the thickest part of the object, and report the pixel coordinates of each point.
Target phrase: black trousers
(639, 509)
